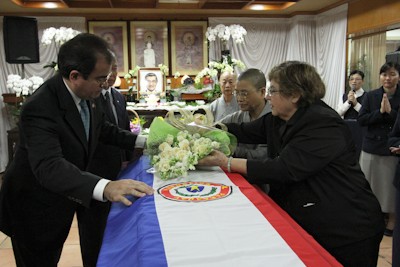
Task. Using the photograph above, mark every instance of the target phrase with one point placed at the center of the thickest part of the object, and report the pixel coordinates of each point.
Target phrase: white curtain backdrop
(47, 55)
(319, 40)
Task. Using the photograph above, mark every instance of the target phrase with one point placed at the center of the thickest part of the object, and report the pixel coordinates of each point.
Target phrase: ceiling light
(257, 7)
(49, 5)
(179, 1)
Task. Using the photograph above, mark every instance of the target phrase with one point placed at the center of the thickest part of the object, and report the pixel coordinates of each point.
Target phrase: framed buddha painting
(149, 43)
(188, 47)
(116, 35)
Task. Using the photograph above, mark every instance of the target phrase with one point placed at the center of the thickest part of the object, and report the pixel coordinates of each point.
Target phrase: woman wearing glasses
(312, 167)
(351, 106)
(352, 100)
(250, 92)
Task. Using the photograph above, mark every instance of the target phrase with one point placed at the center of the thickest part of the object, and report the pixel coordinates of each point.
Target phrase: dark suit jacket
(314, 174)
(48, 177)
(107, 159)
(394, 140)
(377, 125)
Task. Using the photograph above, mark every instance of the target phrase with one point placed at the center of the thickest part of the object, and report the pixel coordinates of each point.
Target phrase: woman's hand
(385, 105)
(395, 150)
(216, 158)
(351, 98)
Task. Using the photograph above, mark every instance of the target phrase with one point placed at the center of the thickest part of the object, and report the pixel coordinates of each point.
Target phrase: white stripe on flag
(224, 233)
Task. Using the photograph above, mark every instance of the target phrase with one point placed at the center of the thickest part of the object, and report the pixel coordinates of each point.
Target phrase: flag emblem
(195, 191)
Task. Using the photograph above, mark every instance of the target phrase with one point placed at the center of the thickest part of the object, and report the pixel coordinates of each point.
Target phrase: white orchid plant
(214, 68)
(164, 69)
(57, 37)
(23, 87)
(224, 33)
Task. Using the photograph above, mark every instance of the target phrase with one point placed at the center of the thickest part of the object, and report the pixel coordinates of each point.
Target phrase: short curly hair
(295, 77)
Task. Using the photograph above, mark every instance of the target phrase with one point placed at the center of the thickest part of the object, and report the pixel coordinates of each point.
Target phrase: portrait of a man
(150, 81)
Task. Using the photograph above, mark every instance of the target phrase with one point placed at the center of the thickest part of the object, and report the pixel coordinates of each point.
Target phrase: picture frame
(189, 53)
(116, 34)
(150, 81)
(155, 33)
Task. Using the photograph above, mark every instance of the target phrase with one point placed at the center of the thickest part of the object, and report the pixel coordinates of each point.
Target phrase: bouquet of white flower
(180, 153)
(176, 146)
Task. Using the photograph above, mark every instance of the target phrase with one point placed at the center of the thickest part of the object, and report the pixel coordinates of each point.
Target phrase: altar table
(150, 112)
(209, 218)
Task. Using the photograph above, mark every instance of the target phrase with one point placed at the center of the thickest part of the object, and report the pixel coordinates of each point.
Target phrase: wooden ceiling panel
(161, 4)
(166, 9)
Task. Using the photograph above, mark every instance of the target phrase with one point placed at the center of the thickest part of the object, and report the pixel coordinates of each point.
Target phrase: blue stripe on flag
(138, 239)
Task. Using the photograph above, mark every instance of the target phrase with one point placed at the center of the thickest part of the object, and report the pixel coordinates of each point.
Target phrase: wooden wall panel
(372, 15)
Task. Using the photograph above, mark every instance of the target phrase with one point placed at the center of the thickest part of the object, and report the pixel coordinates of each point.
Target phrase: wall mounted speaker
(21, 41)
(393, 57)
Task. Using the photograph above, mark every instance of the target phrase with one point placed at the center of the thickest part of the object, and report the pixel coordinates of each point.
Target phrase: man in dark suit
(60, 127)
(106, 162)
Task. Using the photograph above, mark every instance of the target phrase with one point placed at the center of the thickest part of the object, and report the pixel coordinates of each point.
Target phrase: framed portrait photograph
(149, 43)
(188, 47)
(116, 34)
(150, 81)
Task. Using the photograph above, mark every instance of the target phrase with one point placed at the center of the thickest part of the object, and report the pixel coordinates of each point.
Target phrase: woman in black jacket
(378, 115)
(394, 147)
(312, 167)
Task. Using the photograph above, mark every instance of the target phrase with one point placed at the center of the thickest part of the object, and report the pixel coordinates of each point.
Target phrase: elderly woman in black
(312, 168)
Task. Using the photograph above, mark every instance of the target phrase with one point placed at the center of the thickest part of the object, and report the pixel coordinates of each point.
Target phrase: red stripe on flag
(303, 244)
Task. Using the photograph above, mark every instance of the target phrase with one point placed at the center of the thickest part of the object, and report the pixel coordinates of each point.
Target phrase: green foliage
(227, 143)
(213, 94)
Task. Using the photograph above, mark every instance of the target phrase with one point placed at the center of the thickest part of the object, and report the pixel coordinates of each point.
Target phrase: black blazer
(377, 125)
(107, 159)
(314, 174)
(394, 140)
(48, 174)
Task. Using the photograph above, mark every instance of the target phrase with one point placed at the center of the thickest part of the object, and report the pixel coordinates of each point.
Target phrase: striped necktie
(85, 115)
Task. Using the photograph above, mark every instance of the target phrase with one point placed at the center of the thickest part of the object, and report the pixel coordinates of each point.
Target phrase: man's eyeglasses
(101, 80)
(355, 79)
(272, 90)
